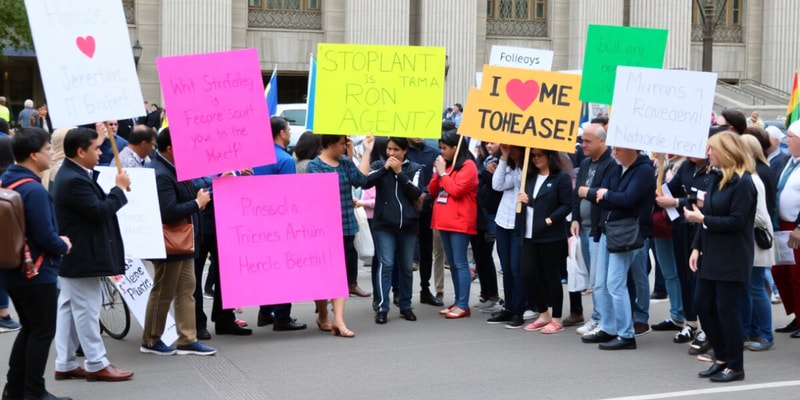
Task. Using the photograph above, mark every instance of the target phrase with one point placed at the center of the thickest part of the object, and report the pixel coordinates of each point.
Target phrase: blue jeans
(455, 249)
(3, 298)
(395, 250)
(508, 249)
(589, 250)
(756, 308)
(611, 291)
(639, 284)
(665, 254)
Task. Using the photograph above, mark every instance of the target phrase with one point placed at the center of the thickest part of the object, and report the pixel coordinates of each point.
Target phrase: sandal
(552, 327)
(536, 325)
(347, 333)
(325, 327)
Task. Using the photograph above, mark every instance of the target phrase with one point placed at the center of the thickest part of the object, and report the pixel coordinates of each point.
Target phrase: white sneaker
(593, 331)
(775, 299)
(530, 314)
(588, 327)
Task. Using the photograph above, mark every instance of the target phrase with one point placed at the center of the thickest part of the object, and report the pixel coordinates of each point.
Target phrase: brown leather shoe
(572, 320)
(77, 373)
(109, 374)
(354, 289)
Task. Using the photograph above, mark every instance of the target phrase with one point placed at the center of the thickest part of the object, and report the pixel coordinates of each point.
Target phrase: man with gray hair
(27, 115)
(776, 157)
(787, 277)
(586, 213)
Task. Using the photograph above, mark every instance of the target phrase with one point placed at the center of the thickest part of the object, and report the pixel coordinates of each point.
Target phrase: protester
(787, 277)
(35, 297)
(455, 212)
(726, 242)
(483, 243)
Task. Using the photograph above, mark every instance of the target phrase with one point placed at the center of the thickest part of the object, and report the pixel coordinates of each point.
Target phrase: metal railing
(756, 100)
(765, 88)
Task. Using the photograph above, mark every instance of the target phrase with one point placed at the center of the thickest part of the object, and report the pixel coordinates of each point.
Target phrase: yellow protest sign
(538, 109)
(385, 90)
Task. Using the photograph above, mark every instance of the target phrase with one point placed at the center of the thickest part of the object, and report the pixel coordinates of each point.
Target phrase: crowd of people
(428, 207)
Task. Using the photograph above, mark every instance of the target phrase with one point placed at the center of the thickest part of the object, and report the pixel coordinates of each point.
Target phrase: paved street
(429, 358)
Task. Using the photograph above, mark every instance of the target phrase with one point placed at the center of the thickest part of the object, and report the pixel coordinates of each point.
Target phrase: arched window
(728, 16)
(526, 18)
(285, 14)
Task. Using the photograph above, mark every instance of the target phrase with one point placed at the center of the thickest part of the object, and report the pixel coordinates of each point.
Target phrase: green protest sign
(608, 47)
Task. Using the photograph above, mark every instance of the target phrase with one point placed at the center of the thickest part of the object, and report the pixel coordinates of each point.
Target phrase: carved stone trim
(287, 19)
(722, 34)
(130, 12)
(501, 27)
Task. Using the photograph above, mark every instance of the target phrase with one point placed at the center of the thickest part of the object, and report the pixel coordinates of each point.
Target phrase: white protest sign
(520, 57)
(478, 78)
(85, 60)
(135, 286)
(662, 111)
(140, 219)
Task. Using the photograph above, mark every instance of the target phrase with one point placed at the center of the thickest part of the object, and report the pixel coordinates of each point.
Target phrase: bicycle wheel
(115, 318)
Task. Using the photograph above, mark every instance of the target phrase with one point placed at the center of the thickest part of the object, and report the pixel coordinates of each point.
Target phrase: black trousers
(351, 259)
(208, 248)
(541, 265)
(425, 250)
(36, 307)
(484, 264)
(718, 307)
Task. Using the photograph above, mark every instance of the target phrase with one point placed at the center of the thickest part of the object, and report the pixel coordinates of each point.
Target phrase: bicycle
(115, 317)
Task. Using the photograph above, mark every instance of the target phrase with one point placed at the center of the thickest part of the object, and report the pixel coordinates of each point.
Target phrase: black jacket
(605, 163)
(488, 198)
(424, 156)
(726, 240)
(176, 200)
(394, 197)
(88, 216)
(552, 201)
(630, 195)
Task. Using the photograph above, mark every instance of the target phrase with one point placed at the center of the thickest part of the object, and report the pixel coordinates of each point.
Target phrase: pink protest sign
(278, 242)
(217, 112)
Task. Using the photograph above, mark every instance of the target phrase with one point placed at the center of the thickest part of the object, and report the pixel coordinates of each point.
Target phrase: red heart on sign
(86, 45)
(522, 94)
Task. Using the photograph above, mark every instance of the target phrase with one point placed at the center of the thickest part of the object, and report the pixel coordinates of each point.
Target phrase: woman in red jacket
(455, 209)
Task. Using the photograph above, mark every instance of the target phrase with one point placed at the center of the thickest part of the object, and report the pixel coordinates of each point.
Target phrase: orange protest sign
(538, 109)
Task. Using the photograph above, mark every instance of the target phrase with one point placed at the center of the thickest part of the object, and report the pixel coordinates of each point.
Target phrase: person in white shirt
(787, 277)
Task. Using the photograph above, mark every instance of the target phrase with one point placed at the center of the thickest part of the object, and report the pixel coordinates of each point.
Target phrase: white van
(296, 114)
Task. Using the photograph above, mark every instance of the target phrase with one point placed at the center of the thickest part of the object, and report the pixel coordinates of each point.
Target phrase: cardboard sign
(610, 46)
(140, 219)
(218, 117)
(135, 286)
(520, 57)
(538, 109)
(85, 60)
(280, 243)
(663, 111)
(385, 90)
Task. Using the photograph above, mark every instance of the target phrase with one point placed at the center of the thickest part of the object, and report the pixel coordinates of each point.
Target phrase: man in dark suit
(88, 216)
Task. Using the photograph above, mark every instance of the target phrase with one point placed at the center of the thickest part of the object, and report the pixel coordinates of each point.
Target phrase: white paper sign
(85, 60)
(478, 78)
(135, 287)
(140, 219)
(784, 254)
(672, 212)
(520, 57)
(662, 111)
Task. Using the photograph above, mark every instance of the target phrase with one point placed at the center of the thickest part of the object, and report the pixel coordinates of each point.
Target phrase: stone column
(195, 26)
(781, 45)
(676, 17)
(583, 13)
(377, 22)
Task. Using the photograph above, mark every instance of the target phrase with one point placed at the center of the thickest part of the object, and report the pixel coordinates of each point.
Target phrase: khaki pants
(438, 262)
(173, 280)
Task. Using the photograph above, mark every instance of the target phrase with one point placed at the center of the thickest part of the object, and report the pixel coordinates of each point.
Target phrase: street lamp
(446, 65)
(137, 53)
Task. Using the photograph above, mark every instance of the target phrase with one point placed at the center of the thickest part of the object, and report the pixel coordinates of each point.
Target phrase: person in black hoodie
(483, 242)
(34, 297)
(398, 199)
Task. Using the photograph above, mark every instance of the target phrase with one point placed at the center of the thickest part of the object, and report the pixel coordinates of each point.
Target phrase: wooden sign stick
(114, 149)
(524, 176)
(661, 167)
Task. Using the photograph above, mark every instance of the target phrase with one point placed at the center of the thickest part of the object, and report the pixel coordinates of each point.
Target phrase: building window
(729, 22)
(525, 18)
(286, 5)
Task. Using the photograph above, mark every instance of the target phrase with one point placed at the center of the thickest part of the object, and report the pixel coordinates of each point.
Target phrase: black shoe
(712, 370)
(619, 343)
(265, 319)
(658, 296)
(203, 334)
(7, 396)
(291, 325)
(599, 337)
(790, 327)
(375, 304)
(45, 396)
(426, 297)
(516, 322)
(500, 317)
(380, 318)
(231, 329)
(667, 325)
(408, 315)
(728, 375)
(641, 328)
(795, 334)
(395, 298)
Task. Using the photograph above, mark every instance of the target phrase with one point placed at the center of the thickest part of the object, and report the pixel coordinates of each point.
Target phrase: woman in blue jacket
(398, 199)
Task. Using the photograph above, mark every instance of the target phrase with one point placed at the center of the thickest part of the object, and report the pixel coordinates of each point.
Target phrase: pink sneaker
(552, 327)
(536, 325)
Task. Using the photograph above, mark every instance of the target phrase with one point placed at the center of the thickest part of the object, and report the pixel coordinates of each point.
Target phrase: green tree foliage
(14, 28)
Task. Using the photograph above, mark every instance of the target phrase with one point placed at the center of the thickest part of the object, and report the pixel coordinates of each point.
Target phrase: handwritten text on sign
(85, 60)
(218, 117)
(387, 90)
(140, 219)
(278, 244)
(135, 286)
(521, 57)
(524, 108)
(664, 111)
(610, 46)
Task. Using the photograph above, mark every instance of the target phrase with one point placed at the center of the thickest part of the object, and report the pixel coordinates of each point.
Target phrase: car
(776, 123)
(295, 113)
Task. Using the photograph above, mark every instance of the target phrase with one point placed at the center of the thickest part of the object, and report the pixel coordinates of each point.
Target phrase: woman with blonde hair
(57, 142)
(756, 307)
(726, 242)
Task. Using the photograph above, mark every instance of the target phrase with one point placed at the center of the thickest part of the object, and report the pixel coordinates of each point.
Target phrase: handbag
(623, 235)
(662, 228)
(577, 272)
(363, 240)
(179, 237)
(763, 237)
